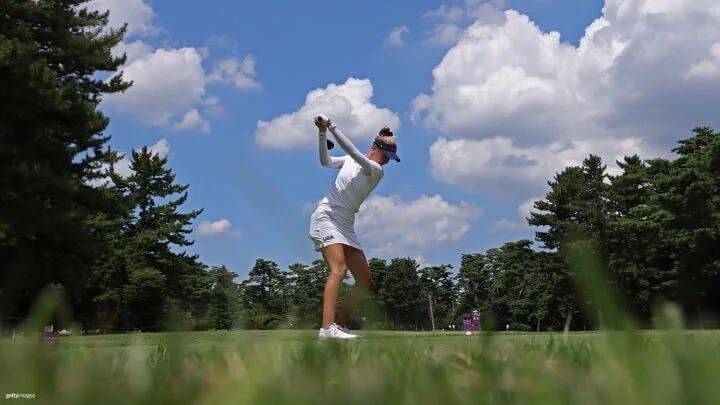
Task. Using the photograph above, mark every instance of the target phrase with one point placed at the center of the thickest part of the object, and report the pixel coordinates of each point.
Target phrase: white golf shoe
(346, 330)
(335, 332)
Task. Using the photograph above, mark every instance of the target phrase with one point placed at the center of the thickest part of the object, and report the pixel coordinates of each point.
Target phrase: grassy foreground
(291, 367)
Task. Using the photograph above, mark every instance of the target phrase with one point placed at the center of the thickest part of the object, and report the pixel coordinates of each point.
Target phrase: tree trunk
(432, 316)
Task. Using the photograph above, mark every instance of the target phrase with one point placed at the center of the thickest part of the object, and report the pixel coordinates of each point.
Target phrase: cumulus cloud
(422, 262)
(501, 167)
(160, 148)
(454, 18)
(166, 82)
(349, 105)
(133, 50)
(310, 206)
(393, 227)
(169, 84)
(517, 104)
(445, 12)
(193, 120)
(524, 210)
(708, 68)
(136, 13)
(122, 166)
(445, 34)
(239, 73)
(487, 11)
(395, 36)
(217, 228)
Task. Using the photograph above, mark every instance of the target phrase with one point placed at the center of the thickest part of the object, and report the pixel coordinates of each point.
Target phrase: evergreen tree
(152, 279)
(263, 293)
(474, 282)
(438, 289)
(51, 56)
(223, 309)
(403, 293)
(307, 294)
(691, 196)
(634, 241)
(576, 209)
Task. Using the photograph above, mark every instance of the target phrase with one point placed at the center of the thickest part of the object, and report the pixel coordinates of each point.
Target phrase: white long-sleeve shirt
(357, 178)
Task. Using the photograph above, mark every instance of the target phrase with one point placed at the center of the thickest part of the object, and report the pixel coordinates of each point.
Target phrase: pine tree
(224, 299)
(150, 278)
(690, 202)
(575, 209)
(403, 293)
(51, 53)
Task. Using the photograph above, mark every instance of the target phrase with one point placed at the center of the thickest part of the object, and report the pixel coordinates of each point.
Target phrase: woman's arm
(370, 166)
(325, 158)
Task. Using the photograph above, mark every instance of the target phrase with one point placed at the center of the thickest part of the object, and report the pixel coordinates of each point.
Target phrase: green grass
(292, 367)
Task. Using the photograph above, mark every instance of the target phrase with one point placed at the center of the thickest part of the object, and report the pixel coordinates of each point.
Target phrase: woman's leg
(334, 256)
(360, 270)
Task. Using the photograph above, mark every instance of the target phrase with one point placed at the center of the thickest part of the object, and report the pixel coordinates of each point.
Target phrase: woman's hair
(386, 136)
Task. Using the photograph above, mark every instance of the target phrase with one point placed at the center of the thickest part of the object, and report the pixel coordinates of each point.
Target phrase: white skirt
(328, 226)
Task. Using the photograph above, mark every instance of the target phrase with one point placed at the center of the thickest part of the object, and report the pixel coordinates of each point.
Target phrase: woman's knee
(364, 280)
(362, 276)
(337, 269)
(335, 259)
(358, 266)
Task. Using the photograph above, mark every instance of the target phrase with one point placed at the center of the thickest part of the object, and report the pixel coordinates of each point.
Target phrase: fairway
(293, 367)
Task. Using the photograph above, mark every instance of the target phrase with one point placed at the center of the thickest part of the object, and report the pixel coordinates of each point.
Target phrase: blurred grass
(624, 366)
(249, 367)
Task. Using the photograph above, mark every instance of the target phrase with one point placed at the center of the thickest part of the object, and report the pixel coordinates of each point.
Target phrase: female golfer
(332, 224)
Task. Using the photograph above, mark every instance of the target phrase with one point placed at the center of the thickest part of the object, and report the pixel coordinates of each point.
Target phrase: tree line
(115, 253)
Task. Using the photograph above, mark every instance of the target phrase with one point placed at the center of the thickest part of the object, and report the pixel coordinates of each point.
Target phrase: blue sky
(502, 93)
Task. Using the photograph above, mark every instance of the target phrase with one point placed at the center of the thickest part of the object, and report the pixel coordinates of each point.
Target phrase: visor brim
(391, 155)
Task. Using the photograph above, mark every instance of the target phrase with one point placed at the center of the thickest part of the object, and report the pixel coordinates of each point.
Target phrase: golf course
(502, 202)
(294, 367)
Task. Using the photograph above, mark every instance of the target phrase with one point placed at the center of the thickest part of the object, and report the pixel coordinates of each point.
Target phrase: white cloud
(122, 166)
(193, 120)
(422, 262)
(212, 106)
(349, 105)
(160, 148)
(454, 19)
(310, 206)
(487, 11)
(446, 13)
(524, 211)
(395, 36)
(166, 83)
(499, 166)
(217, 228)
(519, 104)
(169, 84)
(239, 73)
(527, 207)
(136, 13)
(708, 68)
(133, 50)
(391, 226)
(445, 34)
(508, 225)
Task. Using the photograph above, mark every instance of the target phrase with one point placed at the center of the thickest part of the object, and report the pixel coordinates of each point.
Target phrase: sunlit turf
(271, 367)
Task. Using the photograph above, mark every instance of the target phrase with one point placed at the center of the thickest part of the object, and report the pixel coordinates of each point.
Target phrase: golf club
(322, 119)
